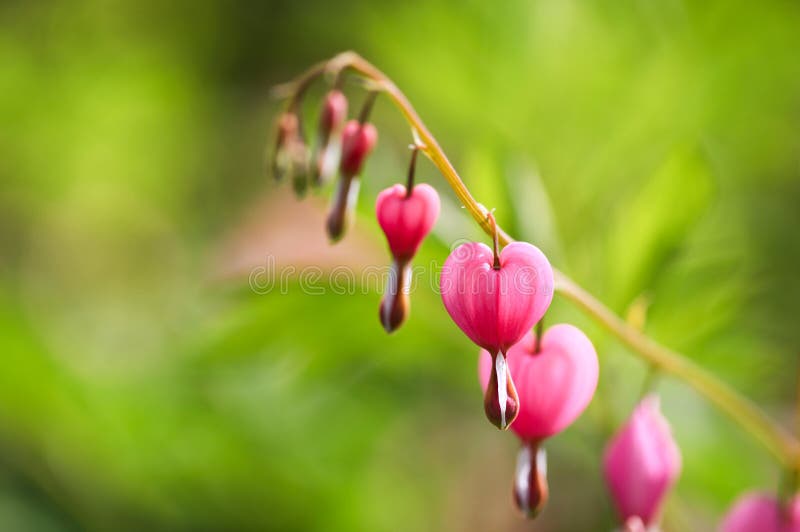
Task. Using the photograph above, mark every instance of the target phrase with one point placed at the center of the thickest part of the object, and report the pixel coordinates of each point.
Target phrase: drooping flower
(358, 140)
(406, 216)
(641, 463)
(495, 298)
(555, 379)
(761, 512)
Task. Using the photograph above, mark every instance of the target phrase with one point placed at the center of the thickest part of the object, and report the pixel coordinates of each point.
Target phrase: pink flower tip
(761, 512)
(641, 463)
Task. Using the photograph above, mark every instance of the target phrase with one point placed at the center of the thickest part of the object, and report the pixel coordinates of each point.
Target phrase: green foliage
(649, 148)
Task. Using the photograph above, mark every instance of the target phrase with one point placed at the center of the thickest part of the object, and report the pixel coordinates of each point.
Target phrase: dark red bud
(500, 402)
(342, 205)
(530, 480)
(395, 304)
(358, 140)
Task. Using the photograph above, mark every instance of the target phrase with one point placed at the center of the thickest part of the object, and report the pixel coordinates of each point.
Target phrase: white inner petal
(502, 395)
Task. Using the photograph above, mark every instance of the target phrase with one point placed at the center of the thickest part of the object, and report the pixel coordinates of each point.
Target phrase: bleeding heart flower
(496, 304)
(761, 512)
(642, 462)
(406, 216)
(555, 379)
(495, 298)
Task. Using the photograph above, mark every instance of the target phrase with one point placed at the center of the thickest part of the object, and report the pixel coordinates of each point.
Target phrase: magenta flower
(641, 463)
(555, 379)
(406, 217)
(495, 298)
(760, 512)
(496, 306)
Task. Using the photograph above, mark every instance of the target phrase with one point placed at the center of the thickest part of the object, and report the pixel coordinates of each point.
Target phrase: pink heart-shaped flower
(406, 219)
(495, 298)
(642, 462)
(554, 385)
(762, 512)
(496, 307)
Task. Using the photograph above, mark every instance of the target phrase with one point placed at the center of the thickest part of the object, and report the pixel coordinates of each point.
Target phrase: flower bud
(300, 165)
(287, 128)
(641, 463)
(333, 115)
(395, 304)
(331, 121)
(763, 513)
(358, 140)
(291, 156)
(530, 480)
(407, 217)
(342, 205)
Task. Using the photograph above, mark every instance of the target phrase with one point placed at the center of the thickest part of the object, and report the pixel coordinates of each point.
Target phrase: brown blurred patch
(293, 232)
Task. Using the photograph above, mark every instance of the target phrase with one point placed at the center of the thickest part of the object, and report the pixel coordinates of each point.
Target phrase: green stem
(747, 414)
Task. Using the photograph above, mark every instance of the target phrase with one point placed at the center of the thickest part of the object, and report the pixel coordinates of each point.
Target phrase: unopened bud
(299, 155)
(342, 206)
(333, 115)
(395, 304)
(287, 128)
(331, 121)
(500, 402)
(358, 140)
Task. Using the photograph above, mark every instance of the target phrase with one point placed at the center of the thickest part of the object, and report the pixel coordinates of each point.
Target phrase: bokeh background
(651, 149)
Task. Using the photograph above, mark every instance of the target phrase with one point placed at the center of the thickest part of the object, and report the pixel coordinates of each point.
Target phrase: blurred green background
(650, 148)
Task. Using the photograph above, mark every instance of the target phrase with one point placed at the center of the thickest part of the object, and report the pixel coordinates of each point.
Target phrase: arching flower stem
(779, 441)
